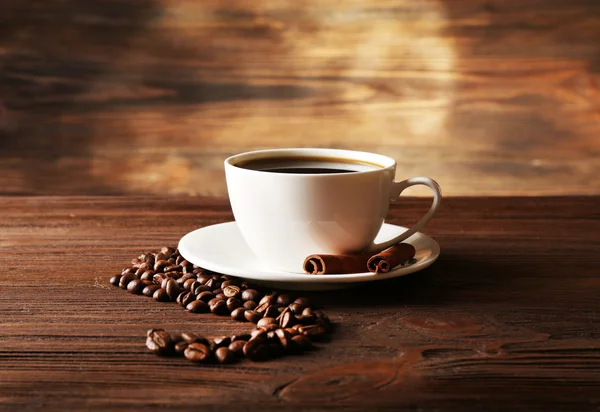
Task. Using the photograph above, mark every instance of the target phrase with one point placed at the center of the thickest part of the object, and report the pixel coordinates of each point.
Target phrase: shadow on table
(453, 278)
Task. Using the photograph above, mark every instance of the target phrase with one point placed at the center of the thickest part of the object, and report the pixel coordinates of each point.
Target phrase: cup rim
(383, 162)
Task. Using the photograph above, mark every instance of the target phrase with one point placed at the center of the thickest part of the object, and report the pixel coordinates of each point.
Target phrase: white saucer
(221, 248)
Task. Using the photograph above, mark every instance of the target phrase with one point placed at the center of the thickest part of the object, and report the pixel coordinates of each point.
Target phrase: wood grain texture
(507, 319)
(149, 96)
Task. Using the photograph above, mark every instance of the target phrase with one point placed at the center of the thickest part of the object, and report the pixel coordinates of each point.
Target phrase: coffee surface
(308, 165)
(308, 170)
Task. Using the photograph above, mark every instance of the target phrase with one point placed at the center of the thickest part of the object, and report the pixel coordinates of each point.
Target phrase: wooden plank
(111, 96)
(506, 319)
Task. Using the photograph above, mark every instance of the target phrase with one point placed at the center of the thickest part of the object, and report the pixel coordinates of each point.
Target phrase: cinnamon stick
(381, 262)
(384, 261)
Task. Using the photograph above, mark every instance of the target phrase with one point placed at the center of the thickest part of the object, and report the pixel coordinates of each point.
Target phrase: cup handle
(397, 189)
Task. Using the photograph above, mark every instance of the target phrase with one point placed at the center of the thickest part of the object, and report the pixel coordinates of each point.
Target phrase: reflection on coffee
(308, 165)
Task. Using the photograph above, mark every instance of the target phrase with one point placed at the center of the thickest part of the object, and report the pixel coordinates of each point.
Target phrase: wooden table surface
(508, 317)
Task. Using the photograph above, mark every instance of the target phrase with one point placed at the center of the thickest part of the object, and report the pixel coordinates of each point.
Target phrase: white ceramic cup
(285, 217)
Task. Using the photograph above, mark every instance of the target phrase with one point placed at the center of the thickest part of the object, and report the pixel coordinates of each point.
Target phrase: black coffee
(308, 165)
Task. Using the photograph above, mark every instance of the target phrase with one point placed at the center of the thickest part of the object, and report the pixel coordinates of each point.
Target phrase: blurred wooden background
(149, 96)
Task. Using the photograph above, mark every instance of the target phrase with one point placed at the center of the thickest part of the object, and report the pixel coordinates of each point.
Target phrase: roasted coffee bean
(127, 270)
(262, 307)
(159, 341)
(187, 285)
(231, 282)
(198, 288)
(245, 285)
(238, 314)
(206, 296)
(203, 279)
(176, 337)
(197, 352)
(222, 341)
(147, 282)
(287, 318)
(173, 268)
(197, 306)
(160, 256)
(322, 316)
(284, 337)
(180, 297)
(142, 268)
(284, 300)
(224, 355)
(190, 337)
(220, 296)
(180, 347)
(115, 280)
(237, 347)
(213, 284)
(244, 336)
(180, 281)
(308, 312)
(159, 265)
(161, 295)
(302, 301)
(232, 291)
(271, 311)
(167, 250)
(173, 289)
(184, 299)
(164, 282)
(293, 332)
(149, 290)
(271, 327)
(179, 260)
(147, 275)
(135, 286)
(302, 342)
(297, 327)
(262, 323)
(250, 294)
(312, 331)
(213, 301)
(187, 276)
(188, 269)
(125, 279)
(297, 308)
(258, 334)
(269, 298)
(219, 308)
(217, 291)
(256, 350)
(252, 316)
(250, 305)
(233, 303)
(158, 278)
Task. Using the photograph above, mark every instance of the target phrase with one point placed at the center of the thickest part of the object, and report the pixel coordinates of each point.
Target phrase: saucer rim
(272, 275)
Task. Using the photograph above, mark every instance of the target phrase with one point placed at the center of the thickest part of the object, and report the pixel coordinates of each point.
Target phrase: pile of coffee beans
(284, 324)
